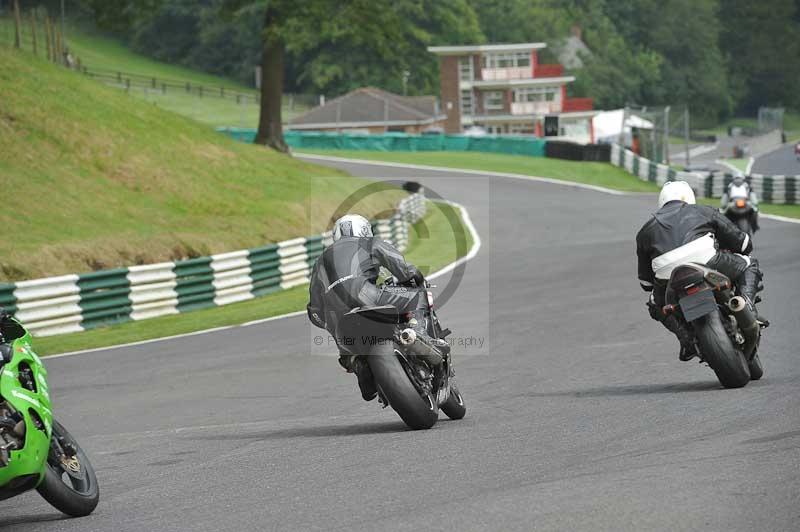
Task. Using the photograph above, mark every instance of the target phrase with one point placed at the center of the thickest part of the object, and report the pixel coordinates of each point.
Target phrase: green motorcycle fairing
(31, 459)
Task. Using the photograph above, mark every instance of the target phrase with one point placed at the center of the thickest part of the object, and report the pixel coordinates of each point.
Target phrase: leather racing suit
(344, 278)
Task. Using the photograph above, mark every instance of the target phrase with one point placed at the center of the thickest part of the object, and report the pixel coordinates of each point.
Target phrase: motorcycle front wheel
(756, 368)
(744, 224)
(70, 483)
(454, 407)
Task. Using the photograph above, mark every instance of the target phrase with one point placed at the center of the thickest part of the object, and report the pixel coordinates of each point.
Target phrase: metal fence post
(686, 132)
(33, 29)
(666, 135)
(17, 25)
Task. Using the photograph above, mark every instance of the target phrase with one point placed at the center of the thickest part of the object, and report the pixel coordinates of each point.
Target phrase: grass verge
(432, 245)
(740, 164)
(601, 174)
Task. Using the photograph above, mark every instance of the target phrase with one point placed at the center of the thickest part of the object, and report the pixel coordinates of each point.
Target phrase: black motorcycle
(726, 330)
(742, 212)
(412, 373)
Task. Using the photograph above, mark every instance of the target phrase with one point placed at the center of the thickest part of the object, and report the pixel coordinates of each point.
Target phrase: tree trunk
(270, 128)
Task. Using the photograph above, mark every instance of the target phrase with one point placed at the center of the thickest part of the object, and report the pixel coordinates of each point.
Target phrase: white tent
(608, 125)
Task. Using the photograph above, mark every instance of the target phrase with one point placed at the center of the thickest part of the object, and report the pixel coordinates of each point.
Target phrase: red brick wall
(549, 71)
(577, 104)
(448, 81)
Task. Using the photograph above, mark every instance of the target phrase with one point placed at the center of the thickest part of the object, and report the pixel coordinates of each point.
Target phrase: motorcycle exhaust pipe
(419, 346)
(746, 319)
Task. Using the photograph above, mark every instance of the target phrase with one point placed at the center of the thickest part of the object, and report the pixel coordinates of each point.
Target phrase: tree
(761, 46)
(344, 38)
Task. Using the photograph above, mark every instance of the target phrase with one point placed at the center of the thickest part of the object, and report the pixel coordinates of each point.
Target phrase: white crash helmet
(676, 190)
(351, 225)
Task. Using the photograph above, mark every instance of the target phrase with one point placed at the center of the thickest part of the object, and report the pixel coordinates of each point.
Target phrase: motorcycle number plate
(697, 305)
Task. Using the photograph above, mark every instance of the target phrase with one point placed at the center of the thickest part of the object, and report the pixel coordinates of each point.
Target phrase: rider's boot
(366, 381)
(359, 366)
(680, 329)
(749, 286)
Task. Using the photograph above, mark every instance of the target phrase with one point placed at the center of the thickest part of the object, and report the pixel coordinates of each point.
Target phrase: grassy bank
(601, 174)
(431, 251)
(105, 54)
(93, 178)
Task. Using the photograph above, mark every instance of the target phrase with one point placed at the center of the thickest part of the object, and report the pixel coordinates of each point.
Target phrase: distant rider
(681, 232)
(740, 188)
(344, 278)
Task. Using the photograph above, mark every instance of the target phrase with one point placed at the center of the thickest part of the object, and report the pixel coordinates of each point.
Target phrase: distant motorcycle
(740, 206)
(36, 451)
(412, 375)
(725, 326)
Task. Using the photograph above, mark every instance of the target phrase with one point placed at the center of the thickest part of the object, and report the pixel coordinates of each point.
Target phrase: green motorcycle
(36, 451)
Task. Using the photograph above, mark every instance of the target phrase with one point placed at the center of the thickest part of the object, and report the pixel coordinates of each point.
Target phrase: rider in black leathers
(344, 278)
(677, 223)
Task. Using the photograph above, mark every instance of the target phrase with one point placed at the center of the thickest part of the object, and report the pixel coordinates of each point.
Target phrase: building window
(521, 129)
(493, 100)
(535, 94)
(466, 102)
(507, 60)
(465, 69)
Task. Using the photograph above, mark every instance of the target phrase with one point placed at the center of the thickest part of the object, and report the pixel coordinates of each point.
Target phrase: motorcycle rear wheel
(416, 410)
(70, 495)
(718, 350)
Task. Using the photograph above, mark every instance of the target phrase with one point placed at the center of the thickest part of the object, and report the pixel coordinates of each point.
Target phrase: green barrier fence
(400, 142)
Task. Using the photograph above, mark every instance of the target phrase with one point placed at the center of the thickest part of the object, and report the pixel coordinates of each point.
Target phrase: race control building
(504, 89)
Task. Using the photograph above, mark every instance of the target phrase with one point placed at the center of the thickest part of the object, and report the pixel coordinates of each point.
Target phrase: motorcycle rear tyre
(717, 348)
(416, 411)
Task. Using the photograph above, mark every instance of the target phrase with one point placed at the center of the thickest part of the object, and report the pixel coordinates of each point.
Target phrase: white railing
(499, 74)
(529, 108)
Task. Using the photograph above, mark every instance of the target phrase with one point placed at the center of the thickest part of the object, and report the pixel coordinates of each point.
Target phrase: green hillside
(108, 56)
(93, 178)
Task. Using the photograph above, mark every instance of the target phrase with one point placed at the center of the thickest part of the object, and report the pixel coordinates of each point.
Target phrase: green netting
(401, 142)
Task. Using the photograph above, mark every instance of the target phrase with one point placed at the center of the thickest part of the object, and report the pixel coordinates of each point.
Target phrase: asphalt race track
(782, 161)
(580, 415)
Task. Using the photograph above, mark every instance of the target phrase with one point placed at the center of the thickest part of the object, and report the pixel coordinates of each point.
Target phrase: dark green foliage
(719, 56)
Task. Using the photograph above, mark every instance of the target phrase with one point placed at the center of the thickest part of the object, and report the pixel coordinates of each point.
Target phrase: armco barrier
(71, 303)
(770, 189)
(657, 173)
(401, 142)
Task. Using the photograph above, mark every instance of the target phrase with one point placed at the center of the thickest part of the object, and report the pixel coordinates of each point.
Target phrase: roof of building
(455, 50)
(370, 106)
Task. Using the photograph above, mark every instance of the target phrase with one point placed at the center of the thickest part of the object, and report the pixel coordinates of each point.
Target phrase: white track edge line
(476, 245)
(562, 182)
(749, 167)
(501, 174)
(779, 218)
